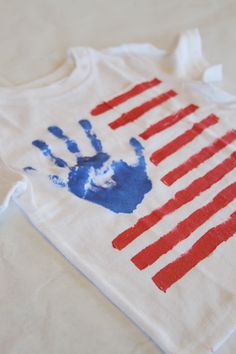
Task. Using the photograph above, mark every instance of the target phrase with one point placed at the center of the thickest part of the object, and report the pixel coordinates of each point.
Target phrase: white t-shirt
(124, 159)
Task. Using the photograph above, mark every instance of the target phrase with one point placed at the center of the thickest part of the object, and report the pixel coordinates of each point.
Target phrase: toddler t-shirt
(125, 160)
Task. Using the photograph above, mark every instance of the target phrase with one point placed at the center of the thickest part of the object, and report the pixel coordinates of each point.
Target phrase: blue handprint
(113, 184)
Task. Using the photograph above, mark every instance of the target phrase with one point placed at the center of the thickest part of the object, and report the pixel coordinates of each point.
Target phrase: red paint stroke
(195, 160)
(168, 121)
(138, 111)
(181, 198)
(201, 249)
(184, 229)
(183, 139)
(136, 90)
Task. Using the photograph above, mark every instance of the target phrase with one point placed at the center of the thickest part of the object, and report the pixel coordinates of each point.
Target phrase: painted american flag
(187, 136)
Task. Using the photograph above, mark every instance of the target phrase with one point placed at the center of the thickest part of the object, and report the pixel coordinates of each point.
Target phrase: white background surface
(46, 306)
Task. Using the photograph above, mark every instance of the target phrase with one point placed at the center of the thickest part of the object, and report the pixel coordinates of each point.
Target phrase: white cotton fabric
(198, 312)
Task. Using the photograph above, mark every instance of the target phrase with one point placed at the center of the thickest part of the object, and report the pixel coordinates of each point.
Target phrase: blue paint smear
(114, 185)
(57, 180)
(29, 169)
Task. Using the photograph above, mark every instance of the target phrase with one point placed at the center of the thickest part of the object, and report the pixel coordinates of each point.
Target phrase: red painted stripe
(168, 121)
(201, 249)
(181, 198)
(195, 160)
(183, 139)
(134, 91)
(184, 229)
(138, 111)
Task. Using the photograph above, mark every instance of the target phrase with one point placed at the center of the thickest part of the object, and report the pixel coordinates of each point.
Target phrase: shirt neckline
(77, 58)
(81, 59)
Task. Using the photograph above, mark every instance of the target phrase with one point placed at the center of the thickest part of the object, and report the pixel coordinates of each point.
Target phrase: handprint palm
(113, 184)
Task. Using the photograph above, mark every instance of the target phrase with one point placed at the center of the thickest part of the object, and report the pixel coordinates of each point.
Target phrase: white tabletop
(48, 307)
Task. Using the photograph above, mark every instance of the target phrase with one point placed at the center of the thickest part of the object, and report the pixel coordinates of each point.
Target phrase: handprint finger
(95, 142)
(41, 145)
(138, 148)
(71, 144)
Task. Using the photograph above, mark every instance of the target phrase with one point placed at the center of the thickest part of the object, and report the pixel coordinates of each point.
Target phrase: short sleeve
(11, 185)
(185, 61)
(188, 62)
